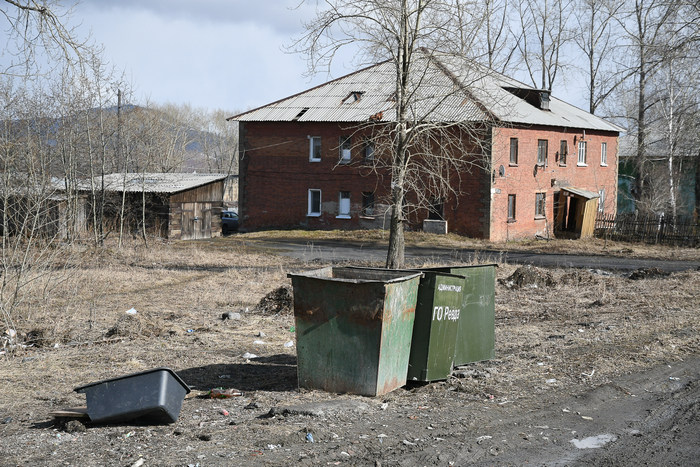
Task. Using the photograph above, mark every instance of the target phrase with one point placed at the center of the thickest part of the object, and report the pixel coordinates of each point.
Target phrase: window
(367, 203)
(511, 208)
(314, 203)
(563, 151)
(345, 145)
(368, 150)
(581, 153)
(514, 151)
(542, 152)
(315, 148)
(604, 154)
(601, 200)
(540, 204)
(344, 205)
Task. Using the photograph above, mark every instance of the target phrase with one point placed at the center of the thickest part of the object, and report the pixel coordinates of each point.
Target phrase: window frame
(542, 155)
(540, 205)
(309, 211)
(344, 143)
(512, 206)
(341, 213)
(604, 154)
(368, 204)
(582, 151)
(368, 146)
(513, 158)
(601, 200)
(563, 152)
(312, 140)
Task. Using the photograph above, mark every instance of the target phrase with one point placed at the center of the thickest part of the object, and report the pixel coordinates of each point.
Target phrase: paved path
(342, 250)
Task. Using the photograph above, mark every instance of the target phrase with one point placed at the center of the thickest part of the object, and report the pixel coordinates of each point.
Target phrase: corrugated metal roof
(447, 88)
(154, 182)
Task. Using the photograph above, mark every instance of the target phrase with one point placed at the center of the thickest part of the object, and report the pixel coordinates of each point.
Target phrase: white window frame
(582, 153)
(312, 140)
(310, 212)
(343, 205)
(601, 200)
(603, 154)
(368, 150)
(345, 153)
(513, 155)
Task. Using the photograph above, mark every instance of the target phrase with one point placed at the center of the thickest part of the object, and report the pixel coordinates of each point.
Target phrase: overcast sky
(215, 54)
(209, 53)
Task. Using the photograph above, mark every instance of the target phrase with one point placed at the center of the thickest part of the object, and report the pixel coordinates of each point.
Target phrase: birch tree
(421, 157)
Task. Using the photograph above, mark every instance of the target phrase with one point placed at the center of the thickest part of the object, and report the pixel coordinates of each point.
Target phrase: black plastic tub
(153, 396)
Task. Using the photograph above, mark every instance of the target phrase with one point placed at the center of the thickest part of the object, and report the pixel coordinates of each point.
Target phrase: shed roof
(447, 88)
(155, 182)
(582, 193)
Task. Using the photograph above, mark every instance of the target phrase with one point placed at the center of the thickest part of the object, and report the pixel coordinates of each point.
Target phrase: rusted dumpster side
(354, 329)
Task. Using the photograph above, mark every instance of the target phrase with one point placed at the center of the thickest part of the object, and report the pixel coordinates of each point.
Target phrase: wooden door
(196, 221)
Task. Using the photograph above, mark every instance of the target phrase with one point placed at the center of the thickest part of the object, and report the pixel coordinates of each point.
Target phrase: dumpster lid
(154, 370)
(421, 271)
(460, 266)
(358, 275)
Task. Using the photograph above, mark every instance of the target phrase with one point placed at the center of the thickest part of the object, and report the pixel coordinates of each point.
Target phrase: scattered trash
(129, 434)
(343, 453)
(309, 437)
(260, 334)
(189, 331)
(278, 301)
(565, 410)
(221, 393)
(6, 420)
(585, 417)
(408, 443)
(224, 412)
(593, 442)
(131, 311)
(230, 315)
(292, 329)
(551, 381)
(252, 405)
(673, 378)
(272, 447)
(384, 405)
(139, 462)
(224, 376)
(289, 344)
(258, 342)
(588, 375)
(249, 356)
(481, 439)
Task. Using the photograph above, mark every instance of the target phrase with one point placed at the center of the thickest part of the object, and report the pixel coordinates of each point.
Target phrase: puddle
(593, 442)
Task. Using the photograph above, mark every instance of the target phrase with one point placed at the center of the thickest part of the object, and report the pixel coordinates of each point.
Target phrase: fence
(648, 229)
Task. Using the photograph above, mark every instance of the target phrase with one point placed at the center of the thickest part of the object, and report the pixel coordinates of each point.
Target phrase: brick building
(548, 162)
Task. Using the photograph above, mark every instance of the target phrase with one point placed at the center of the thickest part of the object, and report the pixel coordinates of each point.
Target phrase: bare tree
(596, 39)
(545, 34)
(422, 152)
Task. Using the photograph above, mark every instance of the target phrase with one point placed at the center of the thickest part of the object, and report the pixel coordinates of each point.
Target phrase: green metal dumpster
(435, 328)
(354, 328)
(476, 333)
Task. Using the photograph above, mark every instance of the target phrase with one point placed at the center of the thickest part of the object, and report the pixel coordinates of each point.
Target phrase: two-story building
(305, 160)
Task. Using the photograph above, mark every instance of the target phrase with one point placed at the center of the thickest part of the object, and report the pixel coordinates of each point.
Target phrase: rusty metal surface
(353, 334)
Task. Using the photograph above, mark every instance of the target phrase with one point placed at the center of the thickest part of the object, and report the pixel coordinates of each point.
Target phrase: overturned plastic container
(476, 331)
(354, 328)
(154, 396)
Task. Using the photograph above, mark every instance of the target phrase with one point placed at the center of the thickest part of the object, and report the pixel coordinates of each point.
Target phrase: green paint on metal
(476, 332)
(353, 329)
(435, 328)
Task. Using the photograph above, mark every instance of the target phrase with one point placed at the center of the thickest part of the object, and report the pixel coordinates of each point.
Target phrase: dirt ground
(590, 368)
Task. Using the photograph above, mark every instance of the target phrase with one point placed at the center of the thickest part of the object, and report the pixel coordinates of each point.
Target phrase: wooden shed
(575, 212)
(177, 206)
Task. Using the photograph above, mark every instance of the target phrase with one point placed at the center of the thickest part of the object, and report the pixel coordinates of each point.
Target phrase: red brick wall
(524, 181)
(276, 175)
